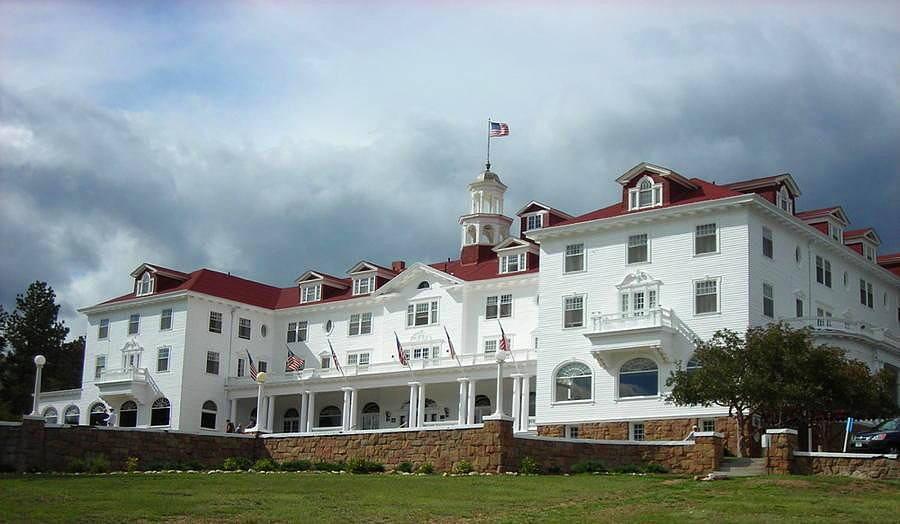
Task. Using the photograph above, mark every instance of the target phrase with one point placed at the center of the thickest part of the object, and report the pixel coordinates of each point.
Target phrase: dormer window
(311, 293)
(534, 222)
(836, 232)
(645, 194)
(870, 253)
(363, 285)
(784, 200)
(145, 285)
(512, 263)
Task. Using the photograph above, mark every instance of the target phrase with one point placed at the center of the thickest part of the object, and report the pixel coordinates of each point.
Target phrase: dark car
(883, 438)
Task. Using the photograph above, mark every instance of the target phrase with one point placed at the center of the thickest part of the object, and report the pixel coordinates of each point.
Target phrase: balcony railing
(139, 375)
(834, 325)
(648, 318)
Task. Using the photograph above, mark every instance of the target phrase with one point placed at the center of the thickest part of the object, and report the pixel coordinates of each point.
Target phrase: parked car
(883, 438)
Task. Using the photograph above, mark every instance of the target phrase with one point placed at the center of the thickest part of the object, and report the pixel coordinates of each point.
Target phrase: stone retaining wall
(782, 458)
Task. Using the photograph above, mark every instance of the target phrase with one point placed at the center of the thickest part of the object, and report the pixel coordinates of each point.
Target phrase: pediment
(638, 279)
(413, 275)
(513, 243)
(132, 346)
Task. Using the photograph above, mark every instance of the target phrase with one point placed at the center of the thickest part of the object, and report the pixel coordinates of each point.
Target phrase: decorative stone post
(780, 453)
(413, 402)
(39, 361)
(463, 399)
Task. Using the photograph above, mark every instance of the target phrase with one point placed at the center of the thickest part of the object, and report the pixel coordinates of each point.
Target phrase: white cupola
(485, 224)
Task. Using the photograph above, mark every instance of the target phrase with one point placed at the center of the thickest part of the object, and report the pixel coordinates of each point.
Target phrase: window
(634, 304)
(263, 366)
(97, 415)
(358, 359)
(645, 194)
(573, 382)
(846, 280)
(128, 414)
(636, 431)
(424, 353)
(422, 314)
(706, 239)
(708, 425)
(836, 232)
(823, 271)
(263, 330)
(297, 331)
(490, 346)
(244, 328)
(212, 362)
(103, 329)
(360, 324)
(823, 317)
(310, 293)
(571, 431)
(693, 365)
(768, 300)
(215, 322)
(162, 359)
(866, 295)
(240, 367)
(498, 307)
(573, 311)
(326, 361)
(291, 422)
(328, 326)
(145, 284)
(71, 415)
(798, 255)
(870, 253)
(208, 415)
(134, 324)
(165, 320)
(574, 258)
(512, 263)
(363, 285)
(638, 250)
(329, 417)
(767, 244)
(784, 200)
(534, 222)
(159, 412)
(639, 377)
(99, 366)
(51, 416)
(799, 307)
(706, 296)
(423, 285)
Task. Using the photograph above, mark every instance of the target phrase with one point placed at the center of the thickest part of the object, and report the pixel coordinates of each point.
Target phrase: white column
(304, 410)
(39, 361)
(499, 411)
(413, 401)
(463, 399)
(345, 412)
(310, 411)
(354, 408)
(526, 401)
(420, 413)
(470, 400)
(232, 413)
(259, 408)
(270, 416)
(517, 401)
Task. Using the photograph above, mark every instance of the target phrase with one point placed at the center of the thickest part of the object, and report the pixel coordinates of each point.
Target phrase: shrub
(77, 465)
(655, 468)
(554, 470)
(463, 467)
(296, 465)
(426, 468)
(329, 466)
(405, 467)
(96, 464)
(363, 466)
(589, 466)
(189, 464)
(236, 463)
(627, 468)
(265, 464)
(529, 466)
(131, 464)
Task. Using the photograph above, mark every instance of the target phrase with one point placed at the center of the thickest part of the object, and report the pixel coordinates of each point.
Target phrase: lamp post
(260, 380)
(500, 356)
(39, 361)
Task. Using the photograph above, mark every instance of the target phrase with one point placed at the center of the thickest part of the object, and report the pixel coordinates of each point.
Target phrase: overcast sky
(267, 139)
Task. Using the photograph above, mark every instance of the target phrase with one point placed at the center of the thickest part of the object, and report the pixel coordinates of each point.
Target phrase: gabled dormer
(646, 186)
(780, 190)
(150, 279)
(515, 255)
(366, 277)
(314, 286)
(536, 215)
(863, 241)
(830, 221)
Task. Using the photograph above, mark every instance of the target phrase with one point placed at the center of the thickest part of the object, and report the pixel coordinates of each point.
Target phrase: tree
(33, 328)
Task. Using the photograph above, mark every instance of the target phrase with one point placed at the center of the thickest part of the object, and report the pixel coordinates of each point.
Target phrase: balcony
(116, 385)
(617, 336)
(837, 327)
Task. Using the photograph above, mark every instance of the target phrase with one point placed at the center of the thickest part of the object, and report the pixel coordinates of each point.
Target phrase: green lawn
(382, 498)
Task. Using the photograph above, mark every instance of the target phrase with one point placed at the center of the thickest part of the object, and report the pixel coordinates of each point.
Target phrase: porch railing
(850, 327)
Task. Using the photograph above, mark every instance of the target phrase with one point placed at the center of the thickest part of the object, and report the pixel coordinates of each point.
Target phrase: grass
(244, 497)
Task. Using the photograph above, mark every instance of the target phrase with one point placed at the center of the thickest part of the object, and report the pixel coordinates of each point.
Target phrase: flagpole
(487, 164)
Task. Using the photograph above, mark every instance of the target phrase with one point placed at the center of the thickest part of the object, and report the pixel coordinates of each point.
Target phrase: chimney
(397, 266)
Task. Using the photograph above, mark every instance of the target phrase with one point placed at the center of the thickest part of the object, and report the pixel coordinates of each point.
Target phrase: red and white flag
(504, 343)
(400, 353)
(337, 363)
(450, 343)
(499, 129)
(293, 363)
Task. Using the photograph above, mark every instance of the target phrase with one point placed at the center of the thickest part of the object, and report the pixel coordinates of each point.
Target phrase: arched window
(692, 365)
(98, 415)
(51, 416)
(639, 377)
(573, 382)
(128, 414)
(645, 194)
(471, 235)
(208, 415)
(145, 284)
(423, 285)
(160, 411)
(330, 417)
(371, 407)
(487, 234)
(71, 415)
(482, 407)
(291, 422)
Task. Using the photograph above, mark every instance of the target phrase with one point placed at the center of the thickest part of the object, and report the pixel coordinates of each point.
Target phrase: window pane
(705, 239)
(490, 310)
(637, 248)
(638, 383)
(506, 306)
(574, 258)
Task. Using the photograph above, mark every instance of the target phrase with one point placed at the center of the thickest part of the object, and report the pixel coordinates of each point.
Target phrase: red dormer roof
(836, 212)
(858, 234)
(766, 181)
(891, 262)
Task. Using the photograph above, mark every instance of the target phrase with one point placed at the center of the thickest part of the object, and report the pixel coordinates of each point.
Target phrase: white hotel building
(598, 309)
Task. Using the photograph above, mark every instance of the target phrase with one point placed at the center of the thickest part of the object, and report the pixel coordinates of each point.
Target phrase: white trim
(785, 431)
(583, 297)
(718, 310)
(829, 454)
(718, 236)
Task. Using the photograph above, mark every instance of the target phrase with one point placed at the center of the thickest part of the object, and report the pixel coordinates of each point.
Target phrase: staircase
(742, 467)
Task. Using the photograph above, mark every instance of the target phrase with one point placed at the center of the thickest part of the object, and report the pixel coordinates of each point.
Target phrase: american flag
(337, 363)
(504, 344)
(294, 363)
(403, 360)
(450, 343)
(252, 366)
(499, 129)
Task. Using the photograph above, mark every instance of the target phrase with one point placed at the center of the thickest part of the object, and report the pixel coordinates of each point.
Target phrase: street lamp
(39, 361)
(260, 380)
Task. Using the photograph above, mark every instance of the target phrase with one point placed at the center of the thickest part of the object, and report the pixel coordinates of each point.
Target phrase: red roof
(705, 191)
(816, 213)
(857, 232)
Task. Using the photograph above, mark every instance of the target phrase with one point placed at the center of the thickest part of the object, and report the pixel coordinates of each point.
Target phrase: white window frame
(360, 359)
(131, 320)
(163, 316)
(771, 297)
(784, 200)
(99, 366)
(836, 232)
(866, 293)
(520, 265)
(360, 323)
(103, 329)
(144, 286)
(767, 234)
(423, 353)
(827, 280)
(215, 317)
(490, 345)
(245, 324)
(633, 432)
(241, 367)
(582, 254)
(530, 220)
(708, 424)
(618, 379)
(168, 358)
(555, 377)
(583, 310)
(571, 431)
(715, 235)
(499, 302)
(718, 281)
(870, 252)
(433, 309)
(363, 285)
(298, 328)
(628, 246)
(645, 185)
(325, 360)
(213, 356)
(310, 293)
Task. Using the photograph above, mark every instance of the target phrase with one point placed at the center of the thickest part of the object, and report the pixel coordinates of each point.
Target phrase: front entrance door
(371, 416)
